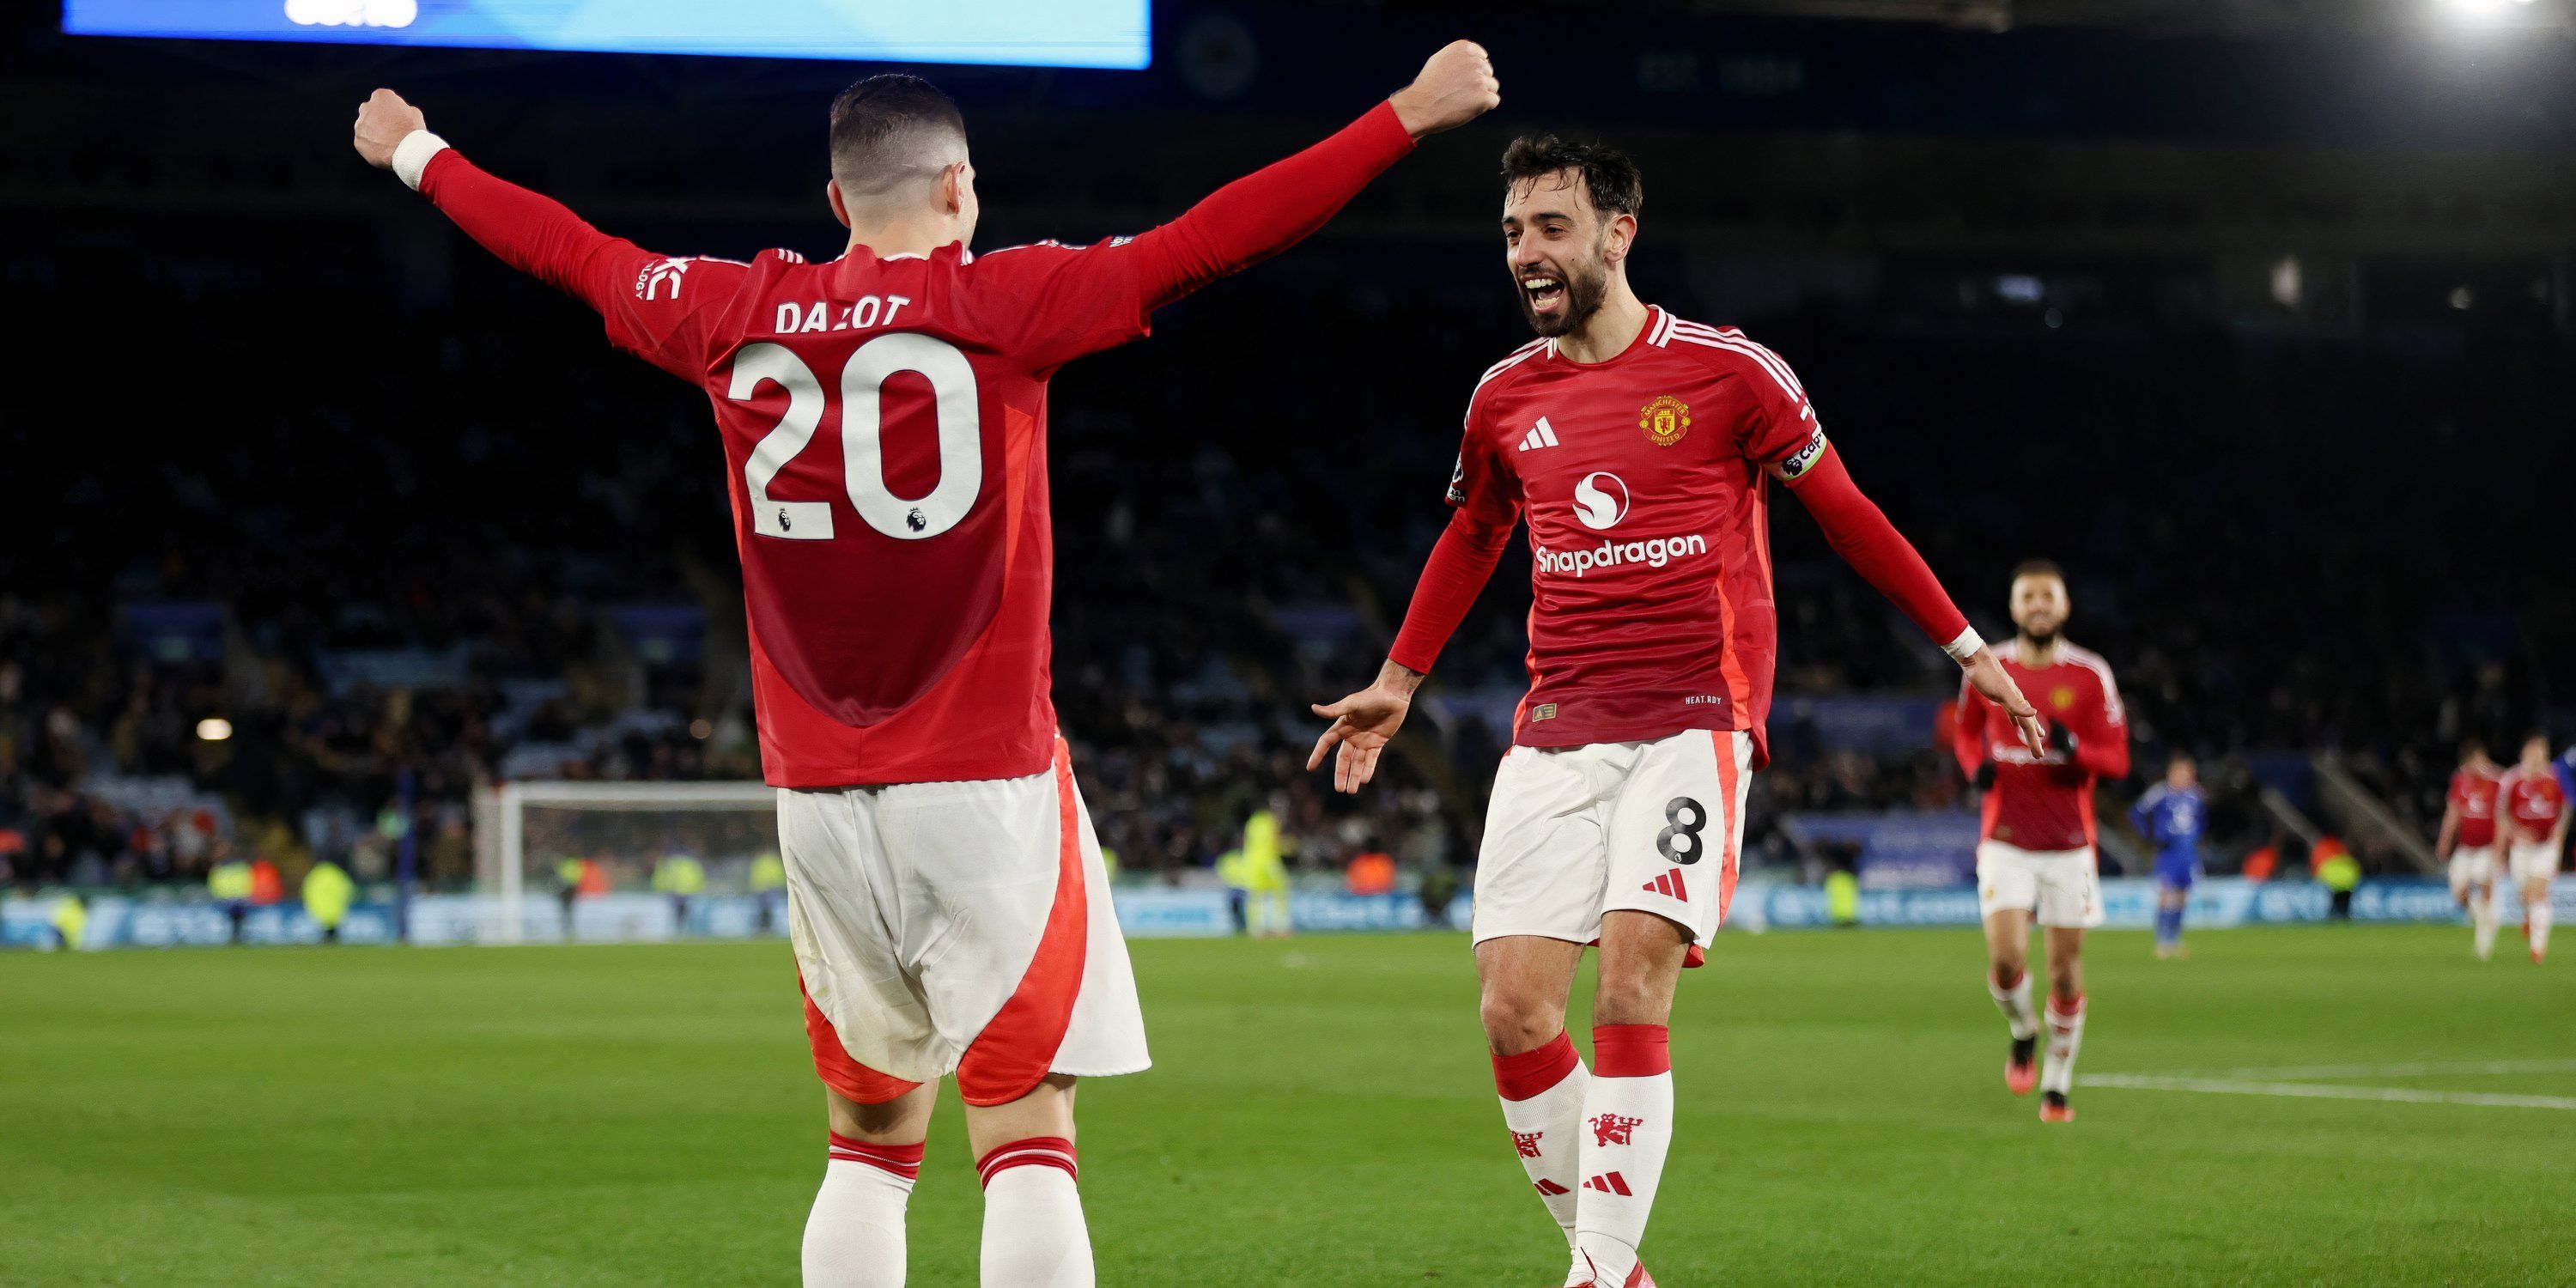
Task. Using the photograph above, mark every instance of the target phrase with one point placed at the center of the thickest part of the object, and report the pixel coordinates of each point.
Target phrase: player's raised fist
(1455, 87)
(383, 120)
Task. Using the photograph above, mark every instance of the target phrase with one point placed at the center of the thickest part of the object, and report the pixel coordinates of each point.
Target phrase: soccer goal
(620, 862)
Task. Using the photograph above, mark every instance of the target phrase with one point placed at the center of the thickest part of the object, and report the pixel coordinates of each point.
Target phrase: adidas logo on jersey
(1669, 884)
(1544, 435)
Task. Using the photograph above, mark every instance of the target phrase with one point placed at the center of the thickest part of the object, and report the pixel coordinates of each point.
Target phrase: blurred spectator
(1370, 872)
(327, 894)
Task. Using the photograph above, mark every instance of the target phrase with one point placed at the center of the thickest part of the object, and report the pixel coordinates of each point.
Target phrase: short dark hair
(2038, 568)
(2472, 746)
(879, 124)
(1610, 179)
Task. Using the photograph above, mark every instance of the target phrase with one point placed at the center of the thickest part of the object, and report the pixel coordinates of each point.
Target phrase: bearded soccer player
(1640, 449)
(2467, 842)
(2531, 818)
(2035, 844)
(884, 427)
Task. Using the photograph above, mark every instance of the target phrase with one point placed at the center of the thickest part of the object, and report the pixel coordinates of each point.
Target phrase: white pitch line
(2406, 1070)
(2326, 1091)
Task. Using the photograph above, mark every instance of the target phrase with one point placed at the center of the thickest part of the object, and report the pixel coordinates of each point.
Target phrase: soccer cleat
(2054, 1109)
(1637, 1278)
(2020, 1075)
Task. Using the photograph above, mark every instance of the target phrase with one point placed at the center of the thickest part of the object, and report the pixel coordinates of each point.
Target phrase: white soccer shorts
(2472, 865)
(2533, 861)
(1575, 832)
(2061, 888)
(957, 928)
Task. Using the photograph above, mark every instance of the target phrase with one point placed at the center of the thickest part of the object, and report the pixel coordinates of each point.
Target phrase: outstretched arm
(1365, 721)
(641, 303)
(1461, 561)
(534, 234)
(1861, 534)
(1272, 209)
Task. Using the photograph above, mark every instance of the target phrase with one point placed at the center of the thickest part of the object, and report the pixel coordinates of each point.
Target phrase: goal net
(559, 862)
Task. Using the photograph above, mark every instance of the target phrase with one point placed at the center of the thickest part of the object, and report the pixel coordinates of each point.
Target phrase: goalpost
(620, 834)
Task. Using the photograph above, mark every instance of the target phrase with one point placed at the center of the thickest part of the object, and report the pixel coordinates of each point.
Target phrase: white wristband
(411, 156)
(1964, 647)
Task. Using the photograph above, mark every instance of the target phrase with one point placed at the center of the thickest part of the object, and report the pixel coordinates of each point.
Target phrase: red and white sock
(2065, 1034)
(2014, 1001)
(1034, 1236)
(1627, 1129)
(1542, 1093)
(854, 1236)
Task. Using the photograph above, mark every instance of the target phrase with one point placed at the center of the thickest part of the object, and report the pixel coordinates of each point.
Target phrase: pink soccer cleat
(2020, 1072)
(2054, 1109)
(1637, 1278)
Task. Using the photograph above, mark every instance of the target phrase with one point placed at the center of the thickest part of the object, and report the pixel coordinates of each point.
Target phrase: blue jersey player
(2172, 815)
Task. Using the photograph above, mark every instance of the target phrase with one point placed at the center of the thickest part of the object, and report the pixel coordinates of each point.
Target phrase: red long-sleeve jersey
(884, 423)
(1645, 483)
(2046, 802)
(2532, 801)
(2474, 794)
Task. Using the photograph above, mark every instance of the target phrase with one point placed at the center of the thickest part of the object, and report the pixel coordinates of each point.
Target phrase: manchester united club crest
(2062, 698)
(1665, 420)
(1527, 1142)
(1613, 1129)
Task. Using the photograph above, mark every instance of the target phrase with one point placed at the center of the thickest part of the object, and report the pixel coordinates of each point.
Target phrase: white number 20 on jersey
(961, 444)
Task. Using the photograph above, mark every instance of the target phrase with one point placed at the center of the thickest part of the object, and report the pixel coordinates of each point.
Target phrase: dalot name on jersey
(795, 318)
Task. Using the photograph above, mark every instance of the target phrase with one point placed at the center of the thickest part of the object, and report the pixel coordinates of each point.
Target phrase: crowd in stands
(404, 520)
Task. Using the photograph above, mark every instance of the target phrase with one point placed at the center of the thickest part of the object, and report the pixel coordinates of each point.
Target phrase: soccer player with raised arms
(884, 422)
(2035, 849)
(1640, 449)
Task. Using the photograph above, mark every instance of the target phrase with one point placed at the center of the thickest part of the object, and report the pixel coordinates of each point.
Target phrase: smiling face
(1561, 249)
(2039, 606)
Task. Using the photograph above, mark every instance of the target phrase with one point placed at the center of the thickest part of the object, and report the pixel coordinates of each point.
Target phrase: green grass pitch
(1322, 1115)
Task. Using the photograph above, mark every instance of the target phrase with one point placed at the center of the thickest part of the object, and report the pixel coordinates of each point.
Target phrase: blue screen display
(1021, 33)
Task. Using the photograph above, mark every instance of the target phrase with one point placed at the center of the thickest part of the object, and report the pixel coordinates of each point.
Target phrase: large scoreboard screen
(1025, 33)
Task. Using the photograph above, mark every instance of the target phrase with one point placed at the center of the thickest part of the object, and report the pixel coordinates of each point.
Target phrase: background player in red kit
(884, 426)
(2531, 822)
(1640, 448)
(2467, 841)
(2035, 855)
